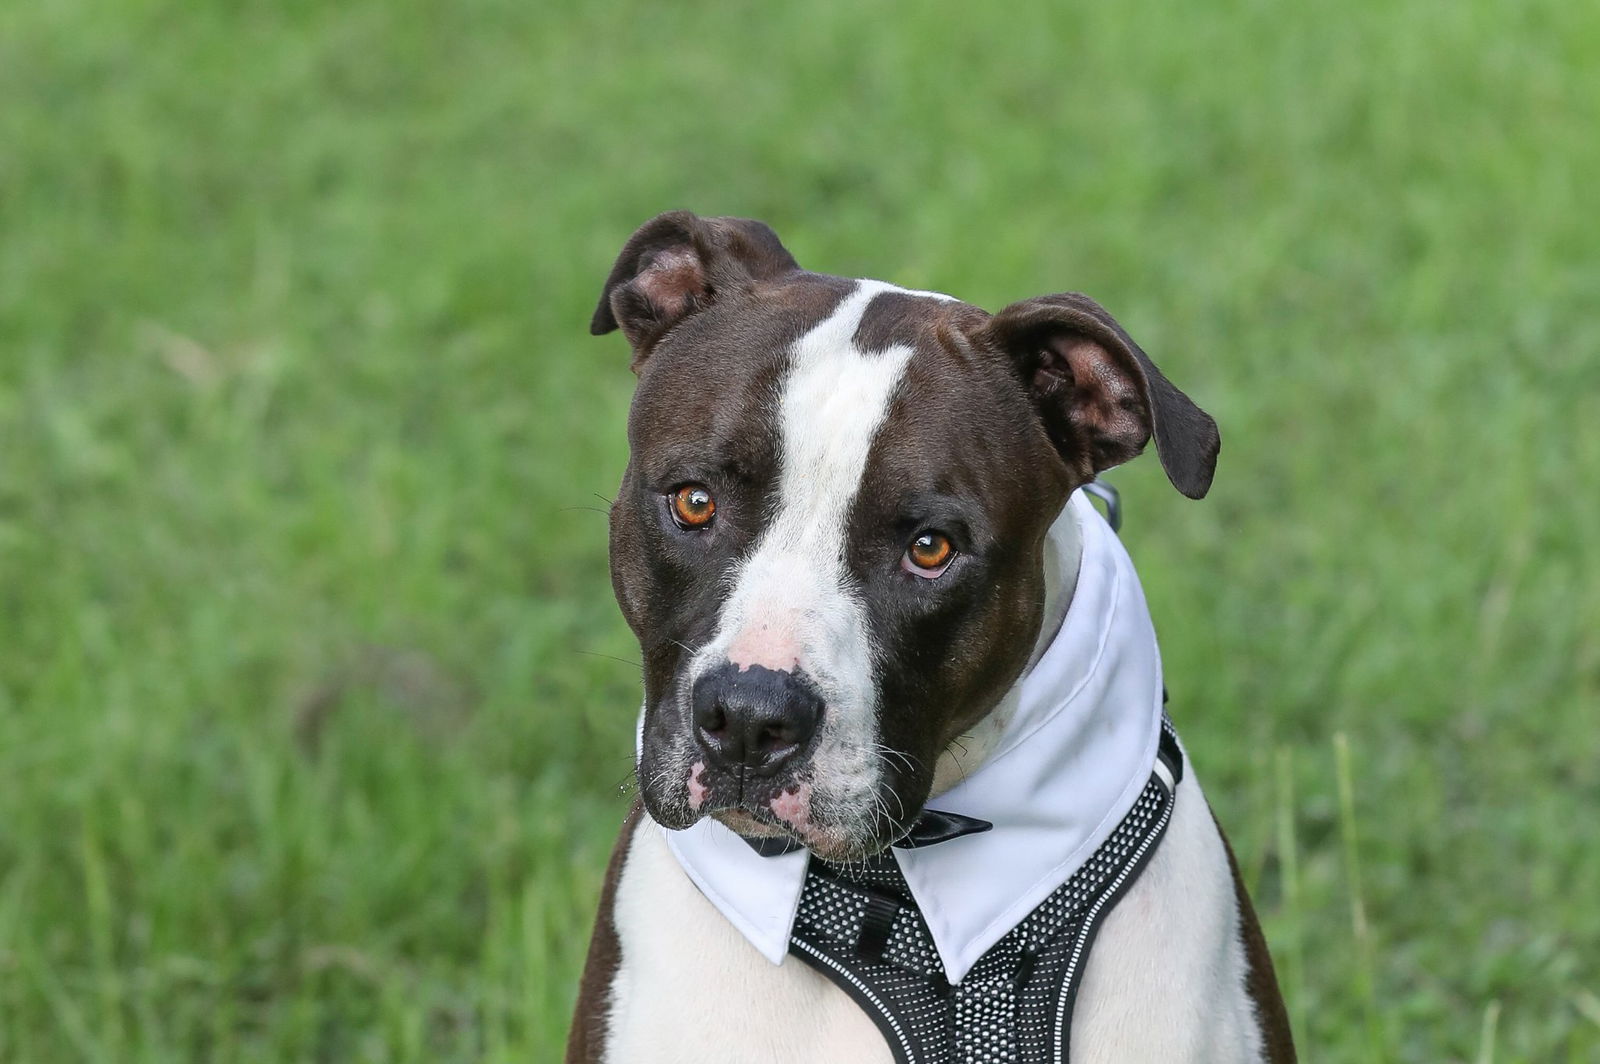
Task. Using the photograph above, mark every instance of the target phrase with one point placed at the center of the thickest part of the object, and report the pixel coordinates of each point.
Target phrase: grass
(312, 718)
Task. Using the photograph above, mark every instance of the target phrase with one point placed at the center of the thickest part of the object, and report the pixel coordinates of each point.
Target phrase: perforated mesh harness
(860, 926)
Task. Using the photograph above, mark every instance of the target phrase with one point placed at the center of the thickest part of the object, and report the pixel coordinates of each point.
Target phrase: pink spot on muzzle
(697, 790)
(793, 807)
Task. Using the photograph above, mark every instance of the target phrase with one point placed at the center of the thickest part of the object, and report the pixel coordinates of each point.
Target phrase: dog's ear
(1099, 395)
(678, 263)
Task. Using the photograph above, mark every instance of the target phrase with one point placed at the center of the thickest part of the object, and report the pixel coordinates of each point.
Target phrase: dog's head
(829, 538)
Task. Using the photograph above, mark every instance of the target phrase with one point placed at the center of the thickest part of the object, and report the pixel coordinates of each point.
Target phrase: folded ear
(678, 263)
(1100, 397)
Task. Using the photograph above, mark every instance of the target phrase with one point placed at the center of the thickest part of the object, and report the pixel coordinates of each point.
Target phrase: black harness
(859, 925)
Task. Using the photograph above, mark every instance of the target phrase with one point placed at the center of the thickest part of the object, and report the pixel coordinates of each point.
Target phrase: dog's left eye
(929, 554)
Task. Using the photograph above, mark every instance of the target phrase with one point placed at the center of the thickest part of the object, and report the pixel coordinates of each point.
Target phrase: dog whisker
(609, 657)
(889, 754)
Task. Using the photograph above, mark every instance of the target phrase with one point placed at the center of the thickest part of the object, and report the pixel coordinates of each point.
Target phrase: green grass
(311, 727)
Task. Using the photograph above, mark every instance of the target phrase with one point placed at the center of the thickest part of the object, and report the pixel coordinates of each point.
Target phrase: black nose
(754, 719)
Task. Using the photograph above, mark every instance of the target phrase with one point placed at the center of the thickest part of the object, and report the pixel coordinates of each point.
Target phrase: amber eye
(693, 506)
(929, 553)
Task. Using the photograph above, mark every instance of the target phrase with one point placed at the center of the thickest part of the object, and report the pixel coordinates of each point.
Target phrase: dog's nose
(755, 719)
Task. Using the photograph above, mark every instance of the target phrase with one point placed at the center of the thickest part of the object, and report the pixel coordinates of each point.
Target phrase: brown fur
(586, 1041)
(1277, 1042)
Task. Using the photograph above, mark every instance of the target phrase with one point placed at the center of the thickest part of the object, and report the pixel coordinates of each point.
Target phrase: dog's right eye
(693, 507)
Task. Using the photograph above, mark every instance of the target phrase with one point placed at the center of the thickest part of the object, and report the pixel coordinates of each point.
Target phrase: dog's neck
(1063, 552)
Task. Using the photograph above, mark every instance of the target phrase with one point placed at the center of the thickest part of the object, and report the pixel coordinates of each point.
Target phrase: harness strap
(859, 925)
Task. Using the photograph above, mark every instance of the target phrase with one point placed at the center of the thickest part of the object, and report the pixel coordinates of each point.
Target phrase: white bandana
(1076, 752)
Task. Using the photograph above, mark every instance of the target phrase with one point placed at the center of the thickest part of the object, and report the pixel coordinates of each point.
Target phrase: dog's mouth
(793, 808)
(760, 807)
(827, 842)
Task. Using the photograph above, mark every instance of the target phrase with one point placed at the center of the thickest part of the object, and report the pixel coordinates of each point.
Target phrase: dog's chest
(1166, 964)
(691, 989)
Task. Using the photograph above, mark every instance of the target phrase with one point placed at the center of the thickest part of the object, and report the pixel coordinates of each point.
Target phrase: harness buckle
(876, 923)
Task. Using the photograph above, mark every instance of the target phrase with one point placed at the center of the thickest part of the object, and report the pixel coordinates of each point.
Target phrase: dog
(907, 791)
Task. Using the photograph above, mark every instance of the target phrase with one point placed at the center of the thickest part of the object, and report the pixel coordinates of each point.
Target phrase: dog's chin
(845, 851)
(744, 823)
(830, 844)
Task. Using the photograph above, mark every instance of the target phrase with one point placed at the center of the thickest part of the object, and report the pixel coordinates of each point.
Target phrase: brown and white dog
(831, 541)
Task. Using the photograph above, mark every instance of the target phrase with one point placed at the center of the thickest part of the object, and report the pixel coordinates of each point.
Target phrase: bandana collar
(1077, 749)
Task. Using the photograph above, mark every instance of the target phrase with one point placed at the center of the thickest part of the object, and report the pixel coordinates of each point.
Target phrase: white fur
(1165, 979)
(690, 989)
(791, 603)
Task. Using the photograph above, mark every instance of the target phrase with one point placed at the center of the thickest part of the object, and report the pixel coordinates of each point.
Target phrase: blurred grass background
(312, 730)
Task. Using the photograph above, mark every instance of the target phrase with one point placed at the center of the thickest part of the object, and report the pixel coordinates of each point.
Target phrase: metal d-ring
(1107, 494)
